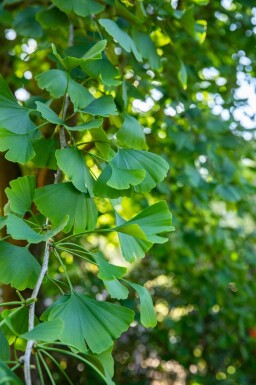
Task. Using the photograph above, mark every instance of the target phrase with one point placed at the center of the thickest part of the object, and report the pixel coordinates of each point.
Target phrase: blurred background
(194, 94)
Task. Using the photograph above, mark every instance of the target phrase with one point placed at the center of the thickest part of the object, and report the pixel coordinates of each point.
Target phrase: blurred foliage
(185, 93)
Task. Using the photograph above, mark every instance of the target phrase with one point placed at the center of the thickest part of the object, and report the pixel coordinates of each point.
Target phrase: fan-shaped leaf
(47, 331)
(80, 7)
(10, 141)
(107, 271)
(88, 321)
(57, 200)
(54, 81)
(4, 350)
(20, 230)
(18, 267)
(131, 134)
(116, 289)
(103, 106)
(71, 162)
(21, 193)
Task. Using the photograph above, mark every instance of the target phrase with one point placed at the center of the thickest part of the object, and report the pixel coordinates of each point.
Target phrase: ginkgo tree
(66, 128)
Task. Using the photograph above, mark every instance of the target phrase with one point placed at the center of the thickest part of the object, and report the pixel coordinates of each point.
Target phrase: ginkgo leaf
(89, 323)
(8, 376)
(71, 162)
(104, 69)
(70, 62)
(5, 349)
(103, 362)
(80, 7)
(103, 106)
(57, 200)
(121, 37)
(131, 134)
(147, 311)
(155, 167)
(47, 331)
(19, 229)
(48, 114)
(119, 178)
(54, 81)
(116, 289)
(18, 266)
(79, 95)
(102, 143)
(10, 141)
(45, 153)
(13, 117)
(2, 222)
(95, 123)
(153, 221)
(107, 271)
(20, 194)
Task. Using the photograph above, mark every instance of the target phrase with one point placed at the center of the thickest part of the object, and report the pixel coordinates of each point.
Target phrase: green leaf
(54, 201)
(107, 271)
(104, 69)
(80, 7)
(155, 167)
(104, 362)
(103, 106)
(54, 81)
(95, 123)
(151, 222)
(52, 18)
(10, 141)
(102, 143)
(116, 289)
(7, 377)
(79, 95)
(13, 117)
(121, 37)
(4, 350)
(2, 222)
(25, 23)
(45, 153)
(88, 321)
(72, 163)
(131, 134)
(147, 311)
(20, 230)
(21, 193)
(70, 62)
(47, 331)
(18, 267)
(147, 48)
(182, 75)
(228, 192)
(48, 114)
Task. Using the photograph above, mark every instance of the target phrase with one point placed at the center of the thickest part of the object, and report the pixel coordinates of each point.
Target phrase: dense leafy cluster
(118, 91)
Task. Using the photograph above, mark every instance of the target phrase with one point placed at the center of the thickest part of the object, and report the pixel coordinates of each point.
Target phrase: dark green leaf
(4, 347)
(25, 23)
(10, 141)
(54, 81)
(48, 114)
(107, 271)
(147, 48)
(103, 106)
(52, 18)
(131, 134)
(13, 117)
(45, 153)
(80, 7)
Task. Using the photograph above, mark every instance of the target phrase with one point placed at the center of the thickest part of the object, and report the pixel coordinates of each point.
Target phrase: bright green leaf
(89, 322)
(121, 37)
(103, 106)
(47, 331)
(182, 75)
(107, 271)
(18, 267)
(10, 142)
(95, 123)
(54, 81)
(20, 230)
(116, 289)
(147, 311)
(57, 200)
(48, 114)
(20, 194)
(131, 134)
(79, 95)
(72, 163)
(147, 48)
(80, 7)
(104, 69)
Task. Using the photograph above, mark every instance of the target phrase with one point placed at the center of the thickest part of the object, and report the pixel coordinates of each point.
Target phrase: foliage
(120, 91)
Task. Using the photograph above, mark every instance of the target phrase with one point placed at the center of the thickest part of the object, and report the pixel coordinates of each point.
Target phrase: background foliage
(183, 85)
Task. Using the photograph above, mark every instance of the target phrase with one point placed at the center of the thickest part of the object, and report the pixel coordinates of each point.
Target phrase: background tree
(184, 88)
